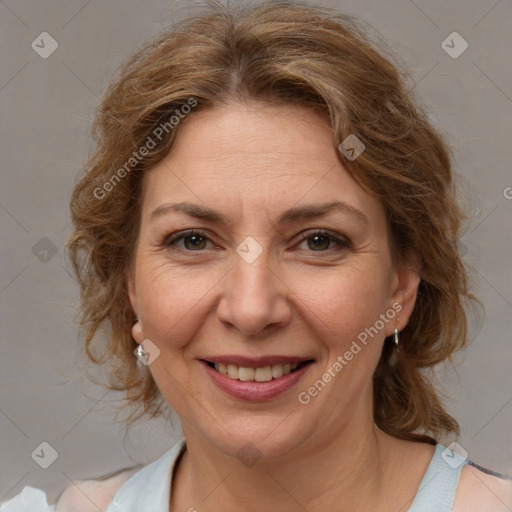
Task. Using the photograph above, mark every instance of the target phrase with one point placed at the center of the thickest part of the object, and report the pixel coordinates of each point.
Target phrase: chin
(259, 437)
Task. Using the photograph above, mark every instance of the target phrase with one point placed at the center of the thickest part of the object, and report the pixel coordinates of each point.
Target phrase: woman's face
(274, 273)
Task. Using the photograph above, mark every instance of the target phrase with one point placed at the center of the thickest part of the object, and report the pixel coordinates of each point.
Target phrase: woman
(269, 224)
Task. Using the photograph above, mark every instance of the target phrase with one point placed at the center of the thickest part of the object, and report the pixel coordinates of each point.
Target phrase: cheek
(342, 302)
(171, 302)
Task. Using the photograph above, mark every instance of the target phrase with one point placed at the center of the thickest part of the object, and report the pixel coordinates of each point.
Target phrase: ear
(129, 277)
(404, 291)
(132, 295)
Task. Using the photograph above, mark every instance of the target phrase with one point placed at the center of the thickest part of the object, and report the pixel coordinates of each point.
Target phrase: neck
(346, 472)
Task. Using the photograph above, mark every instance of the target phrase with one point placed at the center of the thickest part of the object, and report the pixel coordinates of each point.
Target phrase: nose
(254, 298)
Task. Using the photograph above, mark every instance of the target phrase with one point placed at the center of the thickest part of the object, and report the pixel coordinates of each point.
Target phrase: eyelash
(342, 244)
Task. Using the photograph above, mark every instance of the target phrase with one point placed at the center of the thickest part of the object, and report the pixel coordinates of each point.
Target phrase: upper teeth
(263, 374)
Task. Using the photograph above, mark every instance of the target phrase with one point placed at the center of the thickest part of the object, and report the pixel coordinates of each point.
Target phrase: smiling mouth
(260, 374)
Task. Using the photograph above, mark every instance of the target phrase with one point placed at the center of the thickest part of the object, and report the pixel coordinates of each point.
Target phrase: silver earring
(395, 337)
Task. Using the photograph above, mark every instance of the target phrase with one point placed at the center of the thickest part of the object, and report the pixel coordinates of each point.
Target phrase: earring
(395, 337)
(394, 353)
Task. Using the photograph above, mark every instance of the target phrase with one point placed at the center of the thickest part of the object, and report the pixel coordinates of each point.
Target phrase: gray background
(45, 111)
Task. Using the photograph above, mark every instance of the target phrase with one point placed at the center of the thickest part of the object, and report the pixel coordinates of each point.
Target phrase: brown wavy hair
(278, 53)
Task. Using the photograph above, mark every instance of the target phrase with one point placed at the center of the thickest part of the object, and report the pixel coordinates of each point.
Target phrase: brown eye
(192, 241)
(319, 242)
(324, 241)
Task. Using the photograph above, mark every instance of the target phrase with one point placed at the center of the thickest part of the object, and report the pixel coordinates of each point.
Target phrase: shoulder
(479, 490)
(96, 495)
(93, 495)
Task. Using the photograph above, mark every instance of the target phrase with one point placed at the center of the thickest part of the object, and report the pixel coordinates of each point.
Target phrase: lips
(256, 378)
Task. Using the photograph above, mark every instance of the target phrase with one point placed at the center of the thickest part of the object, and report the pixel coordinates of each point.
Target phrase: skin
(251, 162)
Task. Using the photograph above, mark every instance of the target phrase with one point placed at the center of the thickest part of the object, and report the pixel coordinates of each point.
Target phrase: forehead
(254, 156)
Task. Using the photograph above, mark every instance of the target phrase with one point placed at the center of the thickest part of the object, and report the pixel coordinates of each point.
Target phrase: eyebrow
(294, 214)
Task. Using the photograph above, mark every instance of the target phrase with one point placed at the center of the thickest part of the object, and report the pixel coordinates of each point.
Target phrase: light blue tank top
(149, 489)
(439, 484)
